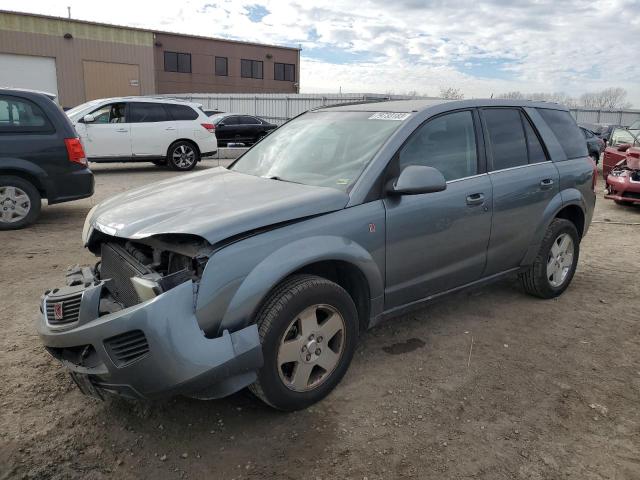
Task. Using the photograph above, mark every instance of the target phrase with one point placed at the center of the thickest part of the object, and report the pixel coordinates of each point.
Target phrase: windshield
(323, 148)
(76, 111)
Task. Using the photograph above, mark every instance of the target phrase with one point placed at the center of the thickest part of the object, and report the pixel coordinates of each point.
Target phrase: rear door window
(142, 112)
(566, 131)
(506, 137)
(247, 120)
(19, 115)
(181, 112)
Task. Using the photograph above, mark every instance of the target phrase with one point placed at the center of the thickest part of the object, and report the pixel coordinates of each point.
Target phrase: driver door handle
(122, 130)
(475, 199)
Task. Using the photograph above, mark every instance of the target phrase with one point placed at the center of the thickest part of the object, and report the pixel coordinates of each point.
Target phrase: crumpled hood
(215, 204)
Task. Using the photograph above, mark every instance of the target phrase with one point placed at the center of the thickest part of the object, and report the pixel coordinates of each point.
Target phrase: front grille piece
(63, 311)
(127, 347)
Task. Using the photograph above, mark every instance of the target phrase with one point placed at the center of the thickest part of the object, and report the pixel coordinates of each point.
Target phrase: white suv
(165, 132)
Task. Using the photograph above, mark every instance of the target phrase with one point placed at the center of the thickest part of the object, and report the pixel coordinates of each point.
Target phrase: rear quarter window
(19, 115)
(181, 112)
(566, 131)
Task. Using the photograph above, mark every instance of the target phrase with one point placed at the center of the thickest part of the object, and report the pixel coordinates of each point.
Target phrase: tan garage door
(105, 79)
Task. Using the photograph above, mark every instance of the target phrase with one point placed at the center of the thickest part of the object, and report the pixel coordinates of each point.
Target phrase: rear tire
(183, 156)
(20, 202)
(308, 328)
(555, 265)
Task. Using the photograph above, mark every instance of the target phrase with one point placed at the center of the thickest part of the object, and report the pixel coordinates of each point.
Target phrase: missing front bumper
(178, 359)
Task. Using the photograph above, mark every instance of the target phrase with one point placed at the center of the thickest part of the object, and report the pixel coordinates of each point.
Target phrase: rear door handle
(475, 199)
(122, 130)
(546, 184)
(170, 128)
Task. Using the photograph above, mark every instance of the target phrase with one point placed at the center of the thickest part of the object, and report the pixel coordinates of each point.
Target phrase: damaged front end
(128, 325)
(623, 183)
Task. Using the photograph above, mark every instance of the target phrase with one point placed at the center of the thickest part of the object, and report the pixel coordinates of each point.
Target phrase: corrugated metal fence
(279, 107)
(610, 117)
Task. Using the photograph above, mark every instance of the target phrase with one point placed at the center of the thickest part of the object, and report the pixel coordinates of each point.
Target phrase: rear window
(19, 115)
(566, 131)
(181, 112)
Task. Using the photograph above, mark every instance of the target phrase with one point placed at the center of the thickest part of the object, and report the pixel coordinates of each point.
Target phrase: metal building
(80, 61)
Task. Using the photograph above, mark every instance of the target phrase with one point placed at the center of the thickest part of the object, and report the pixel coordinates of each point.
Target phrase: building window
(285, 71)
(177, 62)
(251, 69)
(222, 66)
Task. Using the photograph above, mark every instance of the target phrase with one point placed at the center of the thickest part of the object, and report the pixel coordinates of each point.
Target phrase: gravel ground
(488, 384)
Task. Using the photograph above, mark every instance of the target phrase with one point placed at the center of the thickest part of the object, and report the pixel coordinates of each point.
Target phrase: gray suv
(265, 274)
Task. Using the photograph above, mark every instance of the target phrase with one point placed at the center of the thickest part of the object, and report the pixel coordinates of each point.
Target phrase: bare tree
(451, 93)
(614, 97)
(515, 95)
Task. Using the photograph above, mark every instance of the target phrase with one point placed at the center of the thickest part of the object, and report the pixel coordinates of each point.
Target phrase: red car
(621, 167)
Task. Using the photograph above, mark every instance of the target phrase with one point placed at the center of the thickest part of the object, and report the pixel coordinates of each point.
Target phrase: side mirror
(220, 124)
(88, 118)
(623, 147)
(417, 179)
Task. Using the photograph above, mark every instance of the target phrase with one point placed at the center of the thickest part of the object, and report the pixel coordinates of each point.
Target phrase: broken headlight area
(129, 272)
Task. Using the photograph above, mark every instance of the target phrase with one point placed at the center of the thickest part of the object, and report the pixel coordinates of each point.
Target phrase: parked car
(622, 164)
(140, 129)
(41, 156)
(595, 145)
(616, 150)
(266, 273)
(237, 128)
(605, 132)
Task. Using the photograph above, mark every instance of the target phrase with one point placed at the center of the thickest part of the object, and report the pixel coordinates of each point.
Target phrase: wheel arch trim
(272, 270)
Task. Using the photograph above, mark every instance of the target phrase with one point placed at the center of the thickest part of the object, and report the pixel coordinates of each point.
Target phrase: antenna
(69, 12)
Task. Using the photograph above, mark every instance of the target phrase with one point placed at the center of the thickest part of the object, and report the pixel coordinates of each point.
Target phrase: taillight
(209, 127)
(75, 151)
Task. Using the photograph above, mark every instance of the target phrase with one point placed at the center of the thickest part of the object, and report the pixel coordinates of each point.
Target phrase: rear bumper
(179, 358)
(70, 186)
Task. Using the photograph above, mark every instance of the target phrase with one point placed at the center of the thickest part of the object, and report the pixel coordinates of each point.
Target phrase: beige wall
(202, 78)
(19, 35)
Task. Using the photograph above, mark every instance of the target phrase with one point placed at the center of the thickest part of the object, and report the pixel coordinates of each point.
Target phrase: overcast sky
(481, 47)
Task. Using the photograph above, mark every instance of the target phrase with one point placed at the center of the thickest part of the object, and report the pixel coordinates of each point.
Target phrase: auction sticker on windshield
(389, 116)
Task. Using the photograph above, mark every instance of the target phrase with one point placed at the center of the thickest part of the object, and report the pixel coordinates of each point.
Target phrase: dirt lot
(549, 390)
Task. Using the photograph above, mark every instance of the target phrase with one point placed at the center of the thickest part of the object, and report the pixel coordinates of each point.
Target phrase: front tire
(20, 203)
(309, 329)
(183, 156)
(555, 265)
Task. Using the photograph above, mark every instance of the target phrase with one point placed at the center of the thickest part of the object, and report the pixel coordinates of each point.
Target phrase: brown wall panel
(108, 79)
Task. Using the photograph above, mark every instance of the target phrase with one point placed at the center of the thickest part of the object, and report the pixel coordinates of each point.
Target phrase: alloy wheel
(15, 204)
(311, 347)
(184, 156)
(560, 260)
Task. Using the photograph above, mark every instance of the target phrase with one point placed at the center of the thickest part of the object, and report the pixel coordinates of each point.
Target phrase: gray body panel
(436, 241)
(407, 249)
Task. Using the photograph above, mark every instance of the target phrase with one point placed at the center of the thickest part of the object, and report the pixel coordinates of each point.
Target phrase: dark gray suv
(265, 274)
